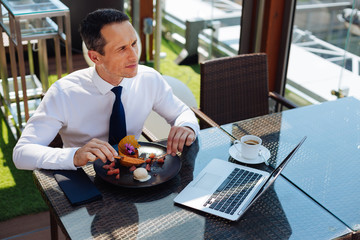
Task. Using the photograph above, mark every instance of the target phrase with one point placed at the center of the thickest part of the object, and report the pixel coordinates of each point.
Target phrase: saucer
(237, 156)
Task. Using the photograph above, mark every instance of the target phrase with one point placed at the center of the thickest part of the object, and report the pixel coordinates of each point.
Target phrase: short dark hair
(90, 27)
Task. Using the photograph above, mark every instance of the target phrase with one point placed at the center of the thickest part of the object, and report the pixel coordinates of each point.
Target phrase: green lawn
(190, 75)
(18, 194)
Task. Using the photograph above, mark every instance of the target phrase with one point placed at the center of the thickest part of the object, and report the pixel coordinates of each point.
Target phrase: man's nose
(133, 53)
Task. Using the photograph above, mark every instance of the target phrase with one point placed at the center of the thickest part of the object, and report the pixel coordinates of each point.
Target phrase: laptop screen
(275, 173)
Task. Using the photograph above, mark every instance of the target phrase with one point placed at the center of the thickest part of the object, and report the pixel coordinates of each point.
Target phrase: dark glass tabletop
(328, 164)
(283, 212)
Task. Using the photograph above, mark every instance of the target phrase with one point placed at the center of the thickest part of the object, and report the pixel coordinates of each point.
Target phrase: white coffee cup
(248, 146)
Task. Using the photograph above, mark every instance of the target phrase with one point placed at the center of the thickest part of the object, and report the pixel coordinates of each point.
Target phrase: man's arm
(184, 124)
(31, 151)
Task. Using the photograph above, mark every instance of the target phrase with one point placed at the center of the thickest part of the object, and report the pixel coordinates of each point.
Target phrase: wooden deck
(30, 227)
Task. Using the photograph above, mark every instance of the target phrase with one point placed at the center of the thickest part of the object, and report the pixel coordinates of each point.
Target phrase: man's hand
(93, 150)
(178, 137)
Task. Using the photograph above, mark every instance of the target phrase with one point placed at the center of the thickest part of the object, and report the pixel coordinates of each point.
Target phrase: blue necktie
(117, 129)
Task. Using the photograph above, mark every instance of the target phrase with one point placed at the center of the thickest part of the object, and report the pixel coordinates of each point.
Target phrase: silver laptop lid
(274, 174)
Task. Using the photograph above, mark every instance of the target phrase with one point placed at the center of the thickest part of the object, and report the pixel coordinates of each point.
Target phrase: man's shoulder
(149, 74)
(76, 78)
(142, 69)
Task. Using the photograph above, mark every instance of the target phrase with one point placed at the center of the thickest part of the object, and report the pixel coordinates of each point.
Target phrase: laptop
(227, 189)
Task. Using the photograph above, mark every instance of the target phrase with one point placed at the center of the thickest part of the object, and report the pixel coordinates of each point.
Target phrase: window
(324, 55)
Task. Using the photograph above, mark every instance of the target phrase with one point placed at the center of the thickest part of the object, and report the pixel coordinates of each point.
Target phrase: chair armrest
(149, 135)
(204, 118)
(283, 101)
(57, 142)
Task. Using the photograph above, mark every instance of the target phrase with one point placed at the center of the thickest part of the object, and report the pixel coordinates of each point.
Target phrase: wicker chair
(235, 88)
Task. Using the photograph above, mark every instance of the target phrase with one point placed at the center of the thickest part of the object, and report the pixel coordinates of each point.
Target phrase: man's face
(121, 53)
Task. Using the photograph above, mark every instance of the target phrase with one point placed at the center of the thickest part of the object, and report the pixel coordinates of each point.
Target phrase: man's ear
(94, 56)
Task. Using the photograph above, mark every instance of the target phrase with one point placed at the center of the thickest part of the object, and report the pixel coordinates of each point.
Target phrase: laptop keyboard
(232, 192)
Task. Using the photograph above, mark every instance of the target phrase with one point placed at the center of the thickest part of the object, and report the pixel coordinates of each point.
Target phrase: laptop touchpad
(207, 181)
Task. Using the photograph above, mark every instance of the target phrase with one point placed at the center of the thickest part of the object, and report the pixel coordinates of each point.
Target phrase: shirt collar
(103, 86)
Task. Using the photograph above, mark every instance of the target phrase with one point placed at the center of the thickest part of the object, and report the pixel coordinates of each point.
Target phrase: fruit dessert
(128, 146)
(128, 152)
(129, 157)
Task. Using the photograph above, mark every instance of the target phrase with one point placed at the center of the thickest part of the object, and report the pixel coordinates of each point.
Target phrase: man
(79, 106)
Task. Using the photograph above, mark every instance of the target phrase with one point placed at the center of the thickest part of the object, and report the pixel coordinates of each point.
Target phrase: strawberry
(161, 160)
(112, 164)
(148, 160)
(118, 176)
(132, 168)
(152, 155)
(148, 167)
(107, 167)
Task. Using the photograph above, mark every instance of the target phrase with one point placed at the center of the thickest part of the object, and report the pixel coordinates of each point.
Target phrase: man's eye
(134, 43)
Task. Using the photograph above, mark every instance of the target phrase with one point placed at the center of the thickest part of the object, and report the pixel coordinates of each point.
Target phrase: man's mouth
(132, 65)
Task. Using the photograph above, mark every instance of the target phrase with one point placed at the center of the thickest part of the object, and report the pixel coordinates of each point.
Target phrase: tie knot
(117, 90)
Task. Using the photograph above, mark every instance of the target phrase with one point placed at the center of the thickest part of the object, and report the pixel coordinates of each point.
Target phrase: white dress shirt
(79, 106)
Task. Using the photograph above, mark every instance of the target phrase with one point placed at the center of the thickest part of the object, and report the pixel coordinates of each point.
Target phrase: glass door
(324, 55)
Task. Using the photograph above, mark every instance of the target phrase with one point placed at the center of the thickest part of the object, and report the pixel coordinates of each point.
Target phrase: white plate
(237, 156)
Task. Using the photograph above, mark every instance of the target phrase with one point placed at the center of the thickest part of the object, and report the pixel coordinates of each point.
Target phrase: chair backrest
(234, 88)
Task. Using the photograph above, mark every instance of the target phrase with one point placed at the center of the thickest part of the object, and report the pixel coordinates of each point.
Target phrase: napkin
(77, 186)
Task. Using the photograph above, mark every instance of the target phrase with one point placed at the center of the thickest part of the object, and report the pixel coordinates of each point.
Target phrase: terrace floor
(29, 227)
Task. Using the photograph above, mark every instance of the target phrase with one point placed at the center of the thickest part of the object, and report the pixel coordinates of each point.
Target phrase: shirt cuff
(194, 127)
(65, 160)
(70, 157)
